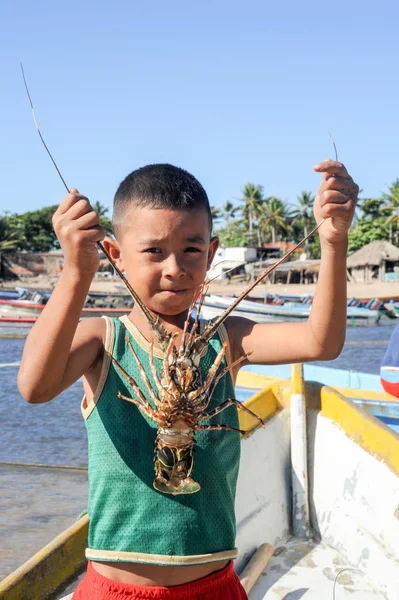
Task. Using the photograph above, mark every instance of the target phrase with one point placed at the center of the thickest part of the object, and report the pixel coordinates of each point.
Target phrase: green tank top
(130, 520)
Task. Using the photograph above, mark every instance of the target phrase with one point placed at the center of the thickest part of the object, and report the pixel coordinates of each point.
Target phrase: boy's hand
(78, 230)
(335, 201)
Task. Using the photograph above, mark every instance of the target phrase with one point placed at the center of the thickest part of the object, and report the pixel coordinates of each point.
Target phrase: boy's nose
(174, 269)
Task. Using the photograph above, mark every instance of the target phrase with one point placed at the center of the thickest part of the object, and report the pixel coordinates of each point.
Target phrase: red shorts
(221, 585)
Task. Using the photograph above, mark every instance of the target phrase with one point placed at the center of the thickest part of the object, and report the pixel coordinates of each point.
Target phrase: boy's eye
(192, 249)
(153, 250)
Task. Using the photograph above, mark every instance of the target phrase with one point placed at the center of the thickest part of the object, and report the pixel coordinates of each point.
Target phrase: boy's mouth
(172, 292)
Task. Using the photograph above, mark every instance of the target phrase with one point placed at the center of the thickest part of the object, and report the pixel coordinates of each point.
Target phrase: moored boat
(30, 304)
(214, 305)
(319, 483)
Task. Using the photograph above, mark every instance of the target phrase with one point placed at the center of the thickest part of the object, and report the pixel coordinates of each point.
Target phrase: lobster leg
(218, 378)
(230, 402)
(171, 386)
(210, 376)
(143, 408)
(142, 401)
(143, 374)
(162, 391)
(218, 428)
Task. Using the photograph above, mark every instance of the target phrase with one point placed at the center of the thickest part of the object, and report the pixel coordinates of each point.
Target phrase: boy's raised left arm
(322, 336)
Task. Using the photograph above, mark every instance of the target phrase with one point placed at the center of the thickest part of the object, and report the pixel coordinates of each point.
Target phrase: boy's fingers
(341, 184)
(337, 209)
(79, 208)
(69, 200)
(88, 221)
(95, 234)
(333, 197)
(332, 167)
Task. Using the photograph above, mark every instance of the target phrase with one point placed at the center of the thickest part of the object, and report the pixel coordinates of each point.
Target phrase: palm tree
(304, 213)
(275, 217)
(100, 209)
(392, 199)
(215, 213)
(228, 211)
(252, 197)
(10, 237)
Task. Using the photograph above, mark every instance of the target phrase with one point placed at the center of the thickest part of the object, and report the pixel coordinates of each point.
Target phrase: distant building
(26, 264)
(231, 262)
(376, 260)
(278, 248)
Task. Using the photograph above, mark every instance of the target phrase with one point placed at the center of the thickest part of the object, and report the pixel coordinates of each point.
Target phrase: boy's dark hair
(159, 186)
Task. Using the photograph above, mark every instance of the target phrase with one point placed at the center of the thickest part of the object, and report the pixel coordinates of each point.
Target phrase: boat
(214, 305)
(30, 304)
(317, 503)
(8, 294)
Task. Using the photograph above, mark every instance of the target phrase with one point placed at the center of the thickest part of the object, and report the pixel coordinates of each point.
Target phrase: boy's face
(165, 255)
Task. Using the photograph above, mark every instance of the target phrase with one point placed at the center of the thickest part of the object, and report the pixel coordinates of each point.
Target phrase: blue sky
(231, 91)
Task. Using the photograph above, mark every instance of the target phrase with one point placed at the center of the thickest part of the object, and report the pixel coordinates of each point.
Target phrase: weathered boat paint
(51, 568)
(299, 455)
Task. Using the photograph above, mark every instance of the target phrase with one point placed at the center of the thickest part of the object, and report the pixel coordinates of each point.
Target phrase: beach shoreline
(113, 285)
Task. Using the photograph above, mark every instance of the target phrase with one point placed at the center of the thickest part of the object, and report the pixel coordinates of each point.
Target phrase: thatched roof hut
(374, 254)
(301, 268)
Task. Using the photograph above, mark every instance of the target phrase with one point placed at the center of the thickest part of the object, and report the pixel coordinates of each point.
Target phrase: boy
(139, 537)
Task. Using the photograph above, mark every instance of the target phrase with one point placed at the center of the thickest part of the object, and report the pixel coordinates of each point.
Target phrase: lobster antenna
(335, 147)
(135, 297)
(38, 130)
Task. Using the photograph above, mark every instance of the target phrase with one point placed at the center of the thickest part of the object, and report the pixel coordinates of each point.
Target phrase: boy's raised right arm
(59, 349)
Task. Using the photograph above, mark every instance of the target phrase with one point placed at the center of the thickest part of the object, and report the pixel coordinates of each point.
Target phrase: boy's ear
(114, 250)
(213, 246)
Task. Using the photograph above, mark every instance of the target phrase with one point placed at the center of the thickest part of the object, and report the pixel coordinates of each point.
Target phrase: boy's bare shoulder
(92, 328)
(88, 344)
(237, 328)
(90, 331)
(90, 338)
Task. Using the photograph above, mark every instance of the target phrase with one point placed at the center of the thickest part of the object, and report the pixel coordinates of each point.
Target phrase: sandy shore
(358, 290)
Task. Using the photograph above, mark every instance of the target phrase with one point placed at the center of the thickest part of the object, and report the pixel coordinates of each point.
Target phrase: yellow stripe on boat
(366, 395)
(367, 431)
(264, 404)
(253, 380)
(48, 570)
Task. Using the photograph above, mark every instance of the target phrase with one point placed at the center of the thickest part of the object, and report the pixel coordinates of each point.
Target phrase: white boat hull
(213, 306)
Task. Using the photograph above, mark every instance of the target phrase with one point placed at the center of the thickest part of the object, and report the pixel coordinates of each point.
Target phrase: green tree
(372, 224)
(102, 212)
(366, 232)
(37, 228)
(304, 213)
(372, 208)
(392, 201)
(252, 199)
(234, 235)
(275, 217)
(10, 236)
(216, 213)
(228, 211)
